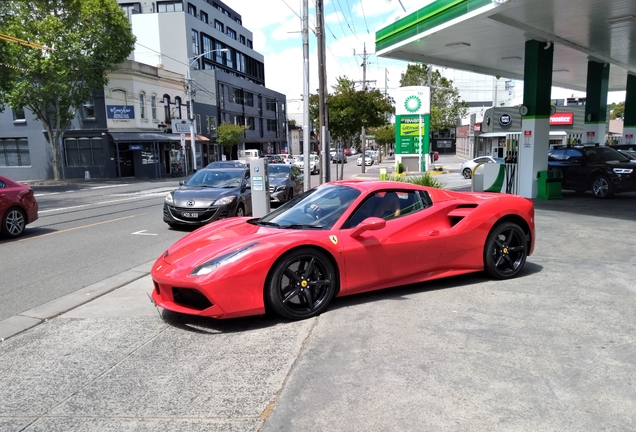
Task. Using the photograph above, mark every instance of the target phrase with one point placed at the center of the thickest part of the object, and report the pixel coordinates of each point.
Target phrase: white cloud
(289, 29)
(259, 14)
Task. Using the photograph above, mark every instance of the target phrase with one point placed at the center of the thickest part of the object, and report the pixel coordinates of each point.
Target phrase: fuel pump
(511, 161)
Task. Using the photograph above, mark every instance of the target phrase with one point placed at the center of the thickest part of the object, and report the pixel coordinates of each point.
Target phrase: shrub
(400, 168)
(423, 180)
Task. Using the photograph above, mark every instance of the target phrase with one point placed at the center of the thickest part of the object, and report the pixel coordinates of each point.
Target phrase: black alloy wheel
(13, 223)
(302, 284)
(240, 211)
(506, 250)
(467, 173)
(602, 187)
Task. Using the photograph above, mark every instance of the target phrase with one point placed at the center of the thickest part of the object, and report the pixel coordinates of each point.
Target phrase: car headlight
(280, 188)
(224, 200)
(623, 170)
(209, 266)
(169, 199)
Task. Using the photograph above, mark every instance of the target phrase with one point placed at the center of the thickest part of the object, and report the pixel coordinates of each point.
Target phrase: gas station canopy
(489, 36)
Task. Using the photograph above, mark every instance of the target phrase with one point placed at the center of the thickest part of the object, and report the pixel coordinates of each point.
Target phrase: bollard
(87, 175)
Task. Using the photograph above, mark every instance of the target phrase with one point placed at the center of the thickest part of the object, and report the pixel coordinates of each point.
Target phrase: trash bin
(382, 173)
(549, 184)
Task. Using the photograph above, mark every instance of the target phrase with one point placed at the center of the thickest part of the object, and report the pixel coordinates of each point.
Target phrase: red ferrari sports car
(18, 207)
(338, 239)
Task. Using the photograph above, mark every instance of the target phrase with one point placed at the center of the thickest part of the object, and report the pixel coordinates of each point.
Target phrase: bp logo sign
(412, 104)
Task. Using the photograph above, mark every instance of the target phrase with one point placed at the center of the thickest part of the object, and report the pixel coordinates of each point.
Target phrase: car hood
(616, 164)
(202, 196)
(221, 237)
(277, 181)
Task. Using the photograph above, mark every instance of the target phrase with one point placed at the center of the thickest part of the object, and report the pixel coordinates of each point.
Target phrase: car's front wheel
(302, 284)
(467, 173)
(602, 187)
(506, 250)
(13, 223)
(240, 211)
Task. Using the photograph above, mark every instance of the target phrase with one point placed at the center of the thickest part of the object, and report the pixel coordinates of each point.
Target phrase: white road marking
(107, 186)
(46, 193)
(142, 232)
(101, 203)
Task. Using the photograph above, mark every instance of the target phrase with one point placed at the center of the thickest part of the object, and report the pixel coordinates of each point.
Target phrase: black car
(600, 169)
(209, 195)
(285, 181)
(226, 164)
(339, 158)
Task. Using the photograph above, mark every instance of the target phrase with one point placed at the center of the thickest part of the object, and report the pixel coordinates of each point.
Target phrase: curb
(438, 172)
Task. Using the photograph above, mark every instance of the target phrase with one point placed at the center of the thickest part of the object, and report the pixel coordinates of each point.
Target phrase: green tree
(618, 111)
(230, 134)
(89, 38)
(384, 135)
(446, 106)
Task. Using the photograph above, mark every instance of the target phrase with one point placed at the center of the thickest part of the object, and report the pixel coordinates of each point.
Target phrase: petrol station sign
(409, 130)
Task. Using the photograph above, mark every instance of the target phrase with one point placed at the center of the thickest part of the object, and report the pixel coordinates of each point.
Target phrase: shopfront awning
(558, 133)
(503, 134)
(152, 137)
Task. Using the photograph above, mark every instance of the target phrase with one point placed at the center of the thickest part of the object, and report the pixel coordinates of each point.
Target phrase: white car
(368, 159)
(289, 159)
(469, 165)
(314, 164)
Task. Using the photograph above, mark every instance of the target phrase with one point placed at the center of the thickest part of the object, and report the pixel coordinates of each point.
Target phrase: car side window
(388, 205)
(573, 154)
(2, 184)
(556, 155)
(482, 159)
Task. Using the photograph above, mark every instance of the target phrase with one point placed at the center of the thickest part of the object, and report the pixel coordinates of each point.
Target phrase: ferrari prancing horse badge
(333, 239)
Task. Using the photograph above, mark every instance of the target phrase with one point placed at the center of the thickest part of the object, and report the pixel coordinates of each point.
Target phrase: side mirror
(369, 224)
(181, 183)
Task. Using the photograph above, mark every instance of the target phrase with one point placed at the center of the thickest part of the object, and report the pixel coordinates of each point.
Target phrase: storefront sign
(135, 146)
(477, 127)
(629, 136)
(120, 112)
(180, 126)
(590, 133)
(562, 118)
(505, 119)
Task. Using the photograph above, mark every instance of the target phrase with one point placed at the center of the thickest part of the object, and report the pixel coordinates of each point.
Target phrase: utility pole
(322, 91)
(306, 139)
(363, 136)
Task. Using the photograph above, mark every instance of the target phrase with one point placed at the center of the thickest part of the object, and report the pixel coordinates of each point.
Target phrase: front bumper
(277, 196)
(179, 215)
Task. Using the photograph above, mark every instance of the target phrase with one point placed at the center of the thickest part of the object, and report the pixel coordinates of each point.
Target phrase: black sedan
(285, 181)
(600, 169)
(226, 164)
(209, 195)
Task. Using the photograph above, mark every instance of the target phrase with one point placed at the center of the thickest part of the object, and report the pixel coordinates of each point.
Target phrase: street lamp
(191, 61)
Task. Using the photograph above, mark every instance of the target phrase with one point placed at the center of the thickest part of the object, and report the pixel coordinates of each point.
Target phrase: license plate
(190, 214)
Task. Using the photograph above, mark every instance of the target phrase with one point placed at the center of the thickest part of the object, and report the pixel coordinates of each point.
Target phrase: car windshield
(300, 159)
(216, 179)
(604, 154)
(318, 208)
(278, 171)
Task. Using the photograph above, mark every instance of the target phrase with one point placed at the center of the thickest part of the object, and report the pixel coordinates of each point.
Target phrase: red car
(18, 207)
(338, 239)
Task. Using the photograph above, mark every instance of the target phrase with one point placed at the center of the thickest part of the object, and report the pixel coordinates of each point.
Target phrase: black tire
(602, 187)
(301, 285)
(13, 223)
(467, 173)
(506, 250)
(240, 211)
(290, 195)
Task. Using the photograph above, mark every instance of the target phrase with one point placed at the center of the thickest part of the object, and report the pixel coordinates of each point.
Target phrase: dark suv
(600, 169)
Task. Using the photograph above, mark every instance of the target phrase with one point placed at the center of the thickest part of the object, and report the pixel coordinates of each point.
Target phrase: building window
(237, 96)
(195, 45)
(153, 106)
(250, 123)
(238, 21)
(207, 46)
(170, 6)
(88, 110)
(249, 98)
(14, 152)
(231, 33)
(84, 152)
(222, 96)
(242, 39)
(192, 10)
(166, 108)
(198, 123)
(18, 115)
(142, 105)
(239, 120)
(249, 44)
(131, 9)
(177, 107)
(204, 17)
(120, 96)
(229, 58)
(219, 26)
(270, 104)
(218, 54)
(240, 62)
(212, 125)
(272, 125)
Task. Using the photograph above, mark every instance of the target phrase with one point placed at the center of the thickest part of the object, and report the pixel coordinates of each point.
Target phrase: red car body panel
(442, 240)
(20, 195)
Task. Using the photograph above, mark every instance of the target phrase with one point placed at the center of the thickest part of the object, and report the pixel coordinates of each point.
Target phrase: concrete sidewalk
(552, 349)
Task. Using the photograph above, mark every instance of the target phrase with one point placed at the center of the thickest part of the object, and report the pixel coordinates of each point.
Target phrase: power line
(364, 16)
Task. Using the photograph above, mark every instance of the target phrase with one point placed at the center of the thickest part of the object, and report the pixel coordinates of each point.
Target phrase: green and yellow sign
(408, 132)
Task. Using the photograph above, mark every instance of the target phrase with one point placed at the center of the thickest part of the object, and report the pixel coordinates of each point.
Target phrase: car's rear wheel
(467, 173)
(302, 284)
(240, 211)
(13, 223)
(506, 250)
(602, 187)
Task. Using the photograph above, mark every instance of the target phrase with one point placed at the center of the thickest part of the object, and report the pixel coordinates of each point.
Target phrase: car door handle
(434, 233)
